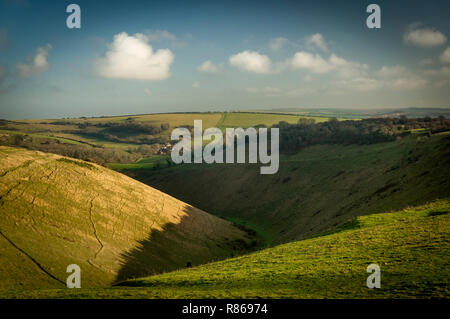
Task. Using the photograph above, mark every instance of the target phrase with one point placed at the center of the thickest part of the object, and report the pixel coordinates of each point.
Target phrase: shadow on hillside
(178, 246)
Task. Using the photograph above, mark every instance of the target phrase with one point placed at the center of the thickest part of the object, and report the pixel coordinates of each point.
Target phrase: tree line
(306, 132)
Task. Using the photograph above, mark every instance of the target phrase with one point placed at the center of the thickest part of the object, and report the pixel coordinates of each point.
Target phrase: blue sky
(132, 57)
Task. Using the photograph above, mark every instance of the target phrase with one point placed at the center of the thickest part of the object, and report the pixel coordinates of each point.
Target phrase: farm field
(70, 128)
(244, 120)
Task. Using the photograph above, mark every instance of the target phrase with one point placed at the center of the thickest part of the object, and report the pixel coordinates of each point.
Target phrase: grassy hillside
(411, 247)
(56, 211)
(319, 187)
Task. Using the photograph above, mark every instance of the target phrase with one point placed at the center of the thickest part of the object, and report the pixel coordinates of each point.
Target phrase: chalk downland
(56, 211)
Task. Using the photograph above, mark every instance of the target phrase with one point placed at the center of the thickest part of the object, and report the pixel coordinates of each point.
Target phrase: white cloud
(312, 62)
(278, 43)
(131, 57)
(445, 56)
(209, 67)
(316, 64)
(347, 69)
(423, 37)
(36, 65)
(317, 40)
(251, 61)
(196, 84)
(147, 91)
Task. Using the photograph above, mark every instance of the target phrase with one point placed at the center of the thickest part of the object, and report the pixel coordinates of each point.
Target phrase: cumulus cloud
(318, 41)
(209, 67)
(312, 62)
(132, 57)
(445, 56)
(278, 43)
(347, 69)
(251, 61)
(423, 37)
(36, 65)
(316, 64)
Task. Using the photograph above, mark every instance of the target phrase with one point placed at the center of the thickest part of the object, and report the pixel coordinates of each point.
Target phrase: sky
(138, 57)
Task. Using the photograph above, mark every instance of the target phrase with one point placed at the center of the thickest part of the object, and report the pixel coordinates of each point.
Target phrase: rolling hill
(56, 211)
(320, 187)
(410, 246)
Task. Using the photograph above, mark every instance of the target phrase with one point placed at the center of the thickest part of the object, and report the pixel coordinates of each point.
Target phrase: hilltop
(57, 211)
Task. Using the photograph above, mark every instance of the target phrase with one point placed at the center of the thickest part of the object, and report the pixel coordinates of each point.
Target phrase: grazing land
(319, 187)
(56, 211)
(411, 247)
(133, 139)
(347, 194)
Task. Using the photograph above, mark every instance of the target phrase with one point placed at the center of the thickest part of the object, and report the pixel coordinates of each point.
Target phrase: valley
(374, 191)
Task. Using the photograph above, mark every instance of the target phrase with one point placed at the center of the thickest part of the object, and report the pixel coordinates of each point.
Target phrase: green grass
(411, 246)
(56, 211)
(148, 163)
(42, 136)
(78, 163)
(245, 120)
(320, 187)
(72, 134)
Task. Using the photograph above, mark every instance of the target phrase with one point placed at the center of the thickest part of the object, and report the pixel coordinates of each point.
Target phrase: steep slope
(410, 246)
(320, 187)
(56, 211)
